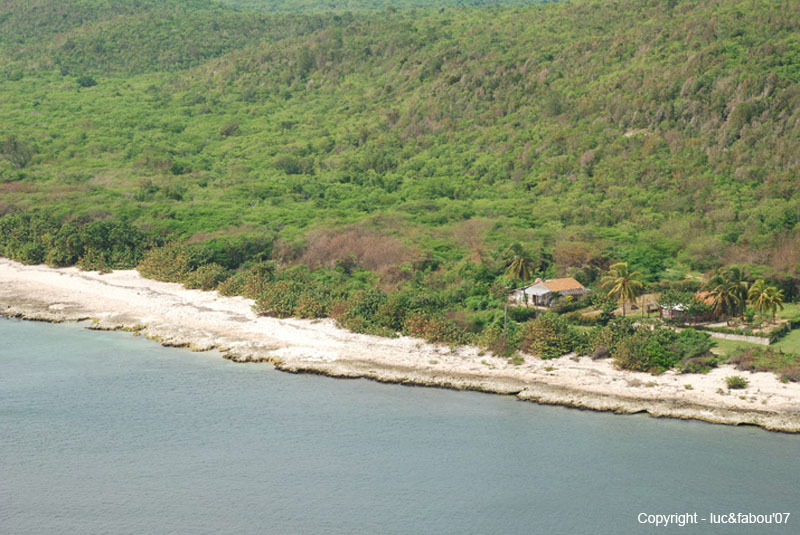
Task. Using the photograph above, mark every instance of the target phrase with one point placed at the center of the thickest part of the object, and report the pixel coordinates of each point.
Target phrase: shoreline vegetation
(201, 320)
(382, 193)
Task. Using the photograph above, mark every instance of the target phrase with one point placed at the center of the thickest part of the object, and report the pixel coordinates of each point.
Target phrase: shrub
(517, 314)
(659, 350)
(34, 237)
(233, 252)
(492, 339)
(170, 263)
(579, 318)
(287, 164)
(66, 247)
(791, 373)
(630, 353)
(662, 349)
(358, 312)
(86, 81)
(550, 336)
(393, 312)
(516, 359)
(736, 382)
(94, 260)
(698, 364)
(278, 299)
(206, 277)
(250, 282)
(609, 335)
(119, 243)
(648, 351)
(18, 152)
(229, 129)
(30, 253)
(605, 305)
(315, 302)
(692, 343)
(569, 304)
(602, 337)
(435, 329)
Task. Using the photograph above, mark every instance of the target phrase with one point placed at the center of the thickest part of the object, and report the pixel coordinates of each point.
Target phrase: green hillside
(664, 134)
(319, 6)
(27, 21)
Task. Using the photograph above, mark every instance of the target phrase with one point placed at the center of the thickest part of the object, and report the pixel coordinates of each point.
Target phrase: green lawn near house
(790, 311)
(725, 348)
(789, 343)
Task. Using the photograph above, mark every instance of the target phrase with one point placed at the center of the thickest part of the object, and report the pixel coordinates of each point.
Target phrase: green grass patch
(791, 311)
(725, 348)
(790, 342)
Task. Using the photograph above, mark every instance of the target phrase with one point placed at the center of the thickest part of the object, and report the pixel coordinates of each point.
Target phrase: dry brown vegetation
(572, 253)
(5, 208)
(471, 234)
(785, 255)
(361, 247)
(17, 187)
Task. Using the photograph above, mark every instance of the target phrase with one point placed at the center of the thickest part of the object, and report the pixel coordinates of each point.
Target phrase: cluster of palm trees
(729, 289)
(731, 292)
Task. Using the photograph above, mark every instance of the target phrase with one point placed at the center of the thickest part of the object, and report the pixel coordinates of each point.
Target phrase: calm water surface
(110, 433)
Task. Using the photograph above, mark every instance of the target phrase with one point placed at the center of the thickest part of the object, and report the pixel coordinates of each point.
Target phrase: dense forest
(404, 150)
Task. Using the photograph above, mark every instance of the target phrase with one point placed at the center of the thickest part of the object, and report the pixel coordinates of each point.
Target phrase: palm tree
(765, 298)
(760, 298)
(622, 283)
(724, 295)
(775, 300)
(520, 264)
(738, 286)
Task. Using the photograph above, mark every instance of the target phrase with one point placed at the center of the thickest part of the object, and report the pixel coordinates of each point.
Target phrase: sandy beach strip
(175, 316)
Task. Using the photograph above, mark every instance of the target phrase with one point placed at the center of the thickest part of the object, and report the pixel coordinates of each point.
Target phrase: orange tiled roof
(562, 285)
(704, 297)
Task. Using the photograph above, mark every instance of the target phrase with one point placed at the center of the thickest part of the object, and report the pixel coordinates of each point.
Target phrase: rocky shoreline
(201, 321)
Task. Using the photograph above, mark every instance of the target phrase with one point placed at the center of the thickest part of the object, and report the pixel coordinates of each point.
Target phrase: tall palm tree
(738, 286)
(519, 265)
(724, 295)
(622, 283)
(765, 299)
(775, 300)
(760, 297)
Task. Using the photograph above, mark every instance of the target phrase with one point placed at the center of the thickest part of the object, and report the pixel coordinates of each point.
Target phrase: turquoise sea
(108, 433)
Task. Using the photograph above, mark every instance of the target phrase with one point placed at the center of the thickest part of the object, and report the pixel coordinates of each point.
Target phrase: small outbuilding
(673, 312)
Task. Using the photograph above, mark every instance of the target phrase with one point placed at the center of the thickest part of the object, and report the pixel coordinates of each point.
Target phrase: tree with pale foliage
(622, 283)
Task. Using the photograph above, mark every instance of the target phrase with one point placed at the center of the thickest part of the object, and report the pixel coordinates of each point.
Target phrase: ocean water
(108, 433)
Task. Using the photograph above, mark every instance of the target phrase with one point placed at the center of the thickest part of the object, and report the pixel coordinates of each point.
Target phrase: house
(544, 292)
(673, 312)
